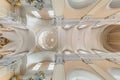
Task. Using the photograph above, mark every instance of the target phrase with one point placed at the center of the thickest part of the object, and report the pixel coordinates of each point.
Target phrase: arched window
(114, 4)
(80, 4)
(115, 72)
(81, 74)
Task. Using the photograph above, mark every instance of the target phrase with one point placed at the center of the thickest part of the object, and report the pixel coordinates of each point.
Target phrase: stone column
(59, 73)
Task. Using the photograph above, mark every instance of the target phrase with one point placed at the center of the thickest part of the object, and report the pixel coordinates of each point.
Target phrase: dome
(110, 38)
(47, 39)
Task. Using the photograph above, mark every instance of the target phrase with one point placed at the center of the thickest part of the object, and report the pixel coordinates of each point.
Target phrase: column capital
(59, 59)
(58, 20)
